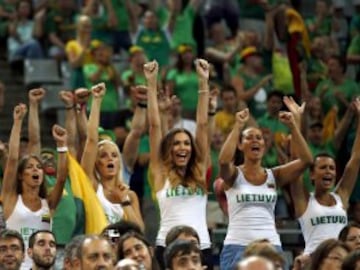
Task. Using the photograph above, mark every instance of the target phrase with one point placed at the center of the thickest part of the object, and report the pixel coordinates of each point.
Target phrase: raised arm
(343, 127)
(70, 125)
(213, 54)
(228, 170)
(174, 7)
(151, 71)
(8, 190)
(248, 94)
(132, 141)
(299, 193)
(35, 97)
(90, 151)
(348, 179)
(60, 136)
(81, 98)
(133, 19)
(211, 121)
(292, 170)
(201, 136)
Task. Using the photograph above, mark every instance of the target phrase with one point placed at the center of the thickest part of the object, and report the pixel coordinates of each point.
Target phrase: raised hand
(151, 70)
(165, 101)
(82, 95)
(67, 97)
(242, 117)
(36, 95)
(59, 134)
(287, 118)
(202, 68)
(294, 108)
(140, 93)
(98, 90)
(265, 80)
(120, 193)
(20, 111)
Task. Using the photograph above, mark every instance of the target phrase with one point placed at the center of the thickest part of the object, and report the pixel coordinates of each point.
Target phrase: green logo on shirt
(328, 220)
(180, 191)
(265, 198)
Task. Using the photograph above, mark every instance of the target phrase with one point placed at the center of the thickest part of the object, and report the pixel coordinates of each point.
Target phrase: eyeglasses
(12, 248)
(353, 238)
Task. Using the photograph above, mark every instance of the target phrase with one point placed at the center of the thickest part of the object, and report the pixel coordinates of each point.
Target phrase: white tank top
(180, 206)
(113, 211)
(320, 222)
(26, 222)
(251, 211)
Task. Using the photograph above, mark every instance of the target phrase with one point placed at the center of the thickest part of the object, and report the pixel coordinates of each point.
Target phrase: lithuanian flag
(95, 219)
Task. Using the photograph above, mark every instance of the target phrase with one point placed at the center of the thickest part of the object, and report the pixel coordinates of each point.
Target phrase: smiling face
(108, 160)
(324, 173)
(11, 253)
(181, 149)
(252, 144)
(134, 248)
(32, 173)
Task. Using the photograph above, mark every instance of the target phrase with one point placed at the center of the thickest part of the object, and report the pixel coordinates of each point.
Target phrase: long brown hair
(194, 174)
(20, 169)
(323, 250)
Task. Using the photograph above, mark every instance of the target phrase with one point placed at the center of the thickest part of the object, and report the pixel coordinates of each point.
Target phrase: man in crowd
(12, 250)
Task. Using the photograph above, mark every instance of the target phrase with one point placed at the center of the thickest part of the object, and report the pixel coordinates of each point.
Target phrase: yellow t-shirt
(73, 46)
(224, 121)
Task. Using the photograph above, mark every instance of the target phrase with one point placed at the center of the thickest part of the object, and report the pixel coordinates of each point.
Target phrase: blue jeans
(29, 50)
(232, 254)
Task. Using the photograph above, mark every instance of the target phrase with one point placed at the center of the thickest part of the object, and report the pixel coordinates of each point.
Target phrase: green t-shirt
(348, 88)
(214, 155)
(64, 26)
(272, 123)
(162, 14)
(251, 10)
(156, 45)
(354, 47)
(110, 101)
(186, 88)
(4, 22)
(129, 74)
(100, 29)
(257, 105)
(270, 158)
(323, 30)
(144, 148)
(65, 216)
(355, 24)
(121, 14)
(183, 28)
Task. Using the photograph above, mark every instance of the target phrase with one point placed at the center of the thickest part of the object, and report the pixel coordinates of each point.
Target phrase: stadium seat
(41, 71)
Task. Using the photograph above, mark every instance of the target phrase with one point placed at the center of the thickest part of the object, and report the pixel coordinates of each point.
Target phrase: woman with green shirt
(103, 71)
(249, 82)
(182, 80)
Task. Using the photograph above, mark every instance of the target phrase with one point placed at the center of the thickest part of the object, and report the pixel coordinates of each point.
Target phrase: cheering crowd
(184, 117)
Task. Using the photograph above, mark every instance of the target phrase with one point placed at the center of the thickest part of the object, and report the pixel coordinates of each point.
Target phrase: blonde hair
(121, 168)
